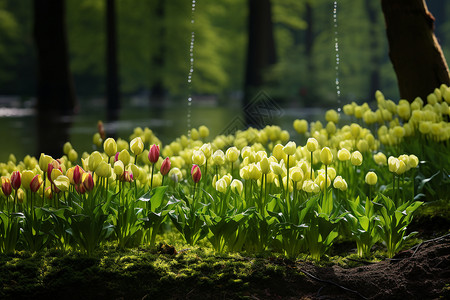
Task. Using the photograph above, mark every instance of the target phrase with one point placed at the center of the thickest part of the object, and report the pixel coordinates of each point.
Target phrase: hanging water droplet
(191, 68)
(336, 49)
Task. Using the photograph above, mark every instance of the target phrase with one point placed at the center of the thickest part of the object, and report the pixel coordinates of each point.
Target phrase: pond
(20, 132)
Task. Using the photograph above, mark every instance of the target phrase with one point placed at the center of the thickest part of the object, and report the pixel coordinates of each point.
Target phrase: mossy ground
(190, 273)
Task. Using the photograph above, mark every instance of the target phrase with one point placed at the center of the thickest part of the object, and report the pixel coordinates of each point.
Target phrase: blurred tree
(260, 52)
(112, 73)
(413, 48)
(55, 90)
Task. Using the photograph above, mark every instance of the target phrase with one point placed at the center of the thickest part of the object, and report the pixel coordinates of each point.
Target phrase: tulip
(221, 185)
(380, 159)
(94, 160)
(48, 192)
(6, 186)
(356, 158)
(110, 147)
(175, 174)
(44, 160)
(16, 180)
(77, 174)
(198, 157)
(124, 156)
(35, 183)
(119, 168)
(196, 173)
(203, 131)
(290, 148)
(27, 176)
(301, 126)
(88, 181)
(62, 183)
(340, 183)
(371, 178)
(232, 154)
(312, 144)
(343, 155)
(137, 146)
(165, 167)
(153, 154)
(218, 157)
(237, 186)
(103, 169)
(326, 156)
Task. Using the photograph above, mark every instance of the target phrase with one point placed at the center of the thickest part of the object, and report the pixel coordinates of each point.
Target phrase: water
(336, 49)
(191, 69)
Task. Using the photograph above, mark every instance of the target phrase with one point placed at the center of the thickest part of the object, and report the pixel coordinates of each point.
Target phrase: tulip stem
(311, 172)
(151, 179)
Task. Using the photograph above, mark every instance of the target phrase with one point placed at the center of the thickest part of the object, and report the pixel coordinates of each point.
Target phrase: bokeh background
(153, 59)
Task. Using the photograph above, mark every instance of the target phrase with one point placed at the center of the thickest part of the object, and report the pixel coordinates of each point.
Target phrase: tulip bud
(206, 149)
(48, 192)
(394, 164)
(237, 186)
(264, 165)
(196, 173)
(203, 131)
(340, 183)
(198, 157)
(165, 167)
(312, 144)
(218, 158)
(326, 156)
(103, 169)
(301, 126)
(221, 186)
(88, 181)
(124, 156)
(110, 147)
(67, 147)
(380, 159)
(232, 154)
(153, 154)
(343, 155)
(175, 174)
(413, 161)
(290, 148)
(137, 146)
(356, 158)
(44, 160)
(255, 172)
(35, 183)
(72, 155)
(296, 174)
(16, 180)
(332, 116)
(27, 176)
(119, 168)
(371, 178)
(77, 174)
(6, 186)
(62, 183)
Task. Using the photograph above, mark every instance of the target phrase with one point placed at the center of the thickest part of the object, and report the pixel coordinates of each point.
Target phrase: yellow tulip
(237, 186)
(221, 186)
(124, 156)
(312, 144)
(326, 157)
(290, 148)
(232, 154)
(343, 155)
(301, 126)
(94, 160)
(62, 183)
(110, 147)
(137, 146)
(371, 178)
(203, 131)
(27, 176)
(356, 158)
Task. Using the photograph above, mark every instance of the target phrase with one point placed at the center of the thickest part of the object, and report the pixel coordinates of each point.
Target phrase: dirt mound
(422, 272)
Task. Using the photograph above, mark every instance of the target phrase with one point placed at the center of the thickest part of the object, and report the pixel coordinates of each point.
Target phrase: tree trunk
(414, 51)
(112, 77)
(55, 90)
(260, 56)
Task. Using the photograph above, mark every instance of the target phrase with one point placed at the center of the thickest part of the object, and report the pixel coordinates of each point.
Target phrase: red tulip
(77, 174)
(88, 181)
(35, 183)
(165, 166)
(16, 180)
(153, 154)
(196, 173)
(6, 186)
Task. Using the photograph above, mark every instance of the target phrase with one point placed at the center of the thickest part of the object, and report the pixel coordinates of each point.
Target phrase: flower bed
(255, 191)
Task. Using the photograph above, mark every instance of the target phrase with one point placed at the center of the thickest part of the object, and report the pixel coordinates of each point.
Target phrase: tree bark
(55, 90)
(417, 58)
(112, 74)
(260, 54)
